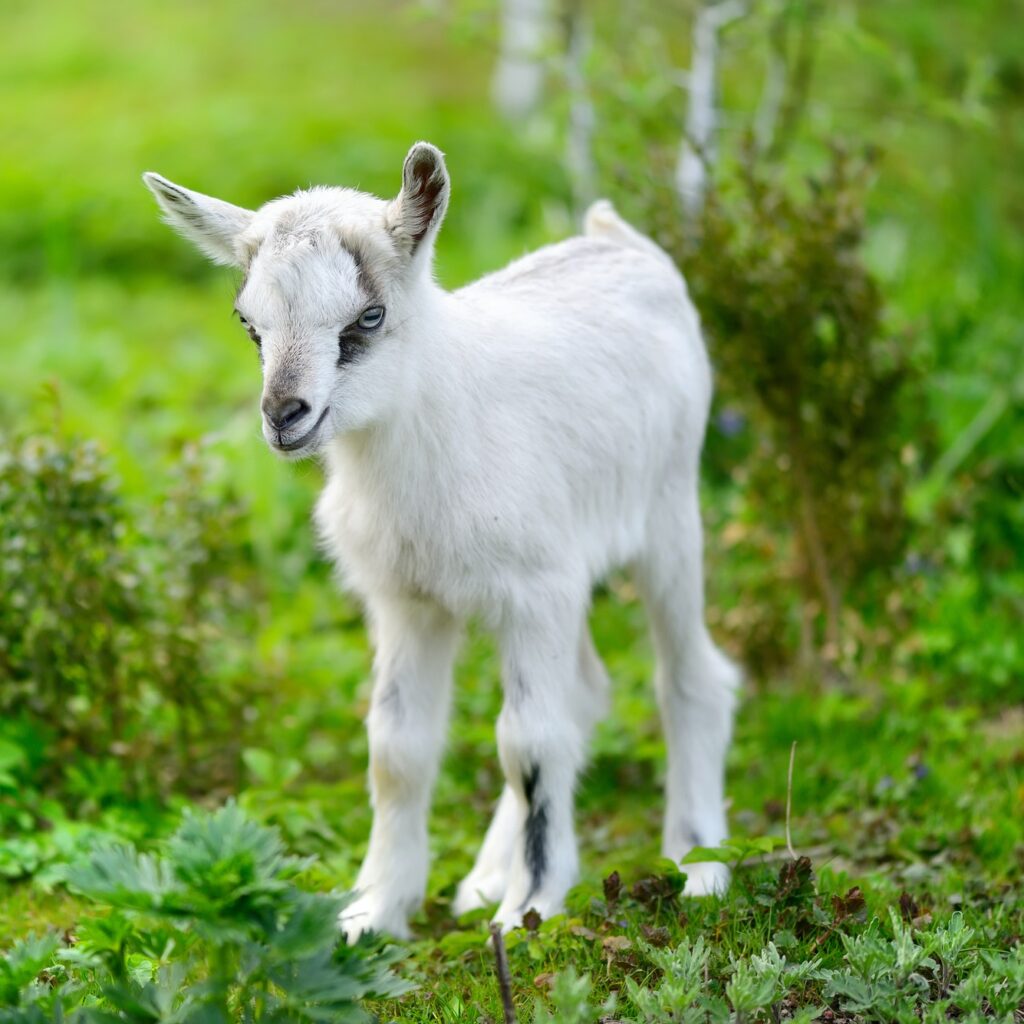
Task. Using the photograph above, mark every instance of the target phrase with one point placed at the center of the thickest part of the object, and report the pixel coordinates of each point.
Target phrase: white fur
(493, 452)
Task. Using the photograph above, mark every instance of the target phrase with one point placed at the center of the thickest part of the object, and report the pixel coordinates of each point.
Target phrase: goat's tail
(603, 221)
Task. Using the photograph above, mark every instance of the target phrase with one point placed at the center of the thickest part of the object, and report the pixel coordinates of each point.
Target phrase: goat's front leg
(407, 722)
(488, 880)
(541, 747)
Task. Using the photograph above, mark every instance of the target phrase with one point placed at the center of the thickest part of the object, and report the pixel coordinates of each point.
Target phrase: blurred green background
(114, 329)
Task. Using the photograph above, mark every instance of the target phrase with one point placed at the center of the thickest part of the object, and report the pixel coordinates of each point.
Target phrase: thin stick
(504, 979)
(814, 852)
(789, 799)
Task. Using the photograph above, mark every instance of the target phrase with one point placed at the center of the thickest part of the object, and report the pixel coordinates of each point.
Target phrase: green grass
(892, 792)
(908, 777)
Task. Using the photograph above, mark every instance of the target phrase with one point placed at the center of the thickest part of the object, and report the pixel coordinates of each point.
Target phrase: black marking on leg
(691, 836)
(535, 839)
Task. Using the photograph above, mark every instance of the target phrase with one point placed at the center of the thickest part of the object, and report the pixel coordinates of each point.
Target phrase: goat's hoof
(706, 879)
(478, 891)
(369, 915)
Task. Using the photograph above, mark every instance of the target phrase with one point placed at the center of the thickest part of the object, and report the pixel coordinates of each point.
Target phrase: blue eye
(371, 318)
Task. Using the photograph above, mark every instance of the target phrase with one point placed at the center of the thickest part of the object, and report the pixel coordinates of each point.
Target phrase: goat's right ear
(415, 215)
(214, 226)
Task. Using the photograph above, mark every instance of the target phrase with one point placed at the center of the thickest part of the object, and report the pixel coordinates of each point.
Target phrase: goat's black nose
(284, 412)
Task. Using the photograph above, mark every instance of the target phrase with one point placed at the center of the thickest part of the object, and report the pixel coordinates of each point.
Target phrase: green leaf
(733, 851)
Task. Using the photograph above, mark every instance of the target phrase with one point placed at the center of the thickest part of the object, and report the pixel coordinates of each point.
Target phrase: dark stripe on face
(535, 837)
(350, 348)
(363, 275)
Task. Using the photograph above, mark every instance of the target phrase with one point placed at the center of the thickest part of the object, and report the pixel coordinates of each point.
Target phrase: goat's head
(333, 282)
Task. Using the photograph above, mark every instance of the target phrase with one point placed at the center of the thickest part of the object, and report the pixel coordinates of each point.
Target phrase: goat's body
(551, 433)
(492, 452)
(575, 383)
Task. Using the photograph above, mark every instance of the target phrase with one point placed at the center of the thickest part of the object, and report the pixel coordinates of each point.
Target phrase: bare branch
(789, 800)
(774, 90)
(801, 69)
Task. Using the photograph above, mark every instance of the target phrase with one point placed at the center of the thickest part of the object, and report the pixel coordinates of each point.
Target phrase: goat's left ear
(415, 215)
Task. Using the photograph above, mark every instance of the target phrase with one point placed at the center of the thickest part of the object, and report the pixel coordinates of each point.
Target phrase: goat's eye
(250, 330)
(371, 318)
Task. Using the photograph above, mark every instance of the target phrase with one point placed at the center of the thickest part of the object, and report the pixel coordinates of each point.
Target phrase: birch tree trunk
(697, 151)
(525, 35)
(579, 143)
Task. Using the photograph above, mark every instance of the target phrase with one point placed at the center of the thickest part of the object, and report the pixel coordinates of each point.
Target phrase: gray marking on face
(362, 274)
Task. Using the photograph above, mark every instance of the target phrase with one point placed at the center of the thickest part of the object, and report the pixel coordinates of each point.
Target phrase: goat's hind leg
(407, 722)
(696, 687)
(487, 882)
(541, 745)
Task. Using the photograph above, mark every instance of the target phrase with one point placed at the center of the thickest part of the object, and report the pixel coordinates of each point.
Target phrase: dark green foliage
(214, 929)
(112, 617)
(796, 331)
(862, 463)
(964, 577)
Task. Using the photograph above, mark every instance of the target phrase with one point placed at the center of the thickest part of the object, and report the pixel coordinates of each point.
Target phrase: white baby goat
(489, 452)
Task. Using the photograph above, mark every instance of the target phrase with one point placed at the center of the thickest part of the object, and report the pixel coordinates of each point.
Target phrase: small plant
(682, 992)
(758, 984)
(888, 979)
(214, 929)
(570, 1001)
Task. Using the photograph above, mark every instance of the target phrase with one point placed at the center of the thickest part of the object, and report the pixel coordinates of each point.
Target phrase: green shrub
(114, 620)
(795, 326)
(214, 929)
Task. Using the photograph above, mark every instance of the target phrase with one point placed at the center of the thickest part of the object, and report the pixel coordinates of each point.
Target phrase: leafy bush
(112, 619)
(214, 929)
(795, 321)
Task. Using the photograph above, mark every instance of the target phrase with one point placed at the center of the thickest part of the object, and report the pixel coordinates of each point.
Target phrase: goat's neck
(428, 401)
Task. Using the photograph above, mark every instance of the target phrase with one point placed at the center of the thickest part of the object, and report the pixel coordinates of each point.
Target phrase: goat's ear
(415, 215)
(215, 226)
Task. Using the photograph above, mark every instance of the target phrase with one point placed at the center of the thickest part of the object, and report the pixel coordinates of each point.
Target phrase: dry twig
(789, 799)
(504, 979)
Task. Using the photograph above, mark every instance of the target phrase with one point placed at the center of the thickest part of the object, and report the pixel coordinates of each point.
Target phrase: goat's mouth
(301, 442)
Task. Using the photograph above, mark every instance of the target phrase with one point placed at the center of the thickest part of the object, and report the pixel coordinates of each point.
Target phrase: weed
(212, 929)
